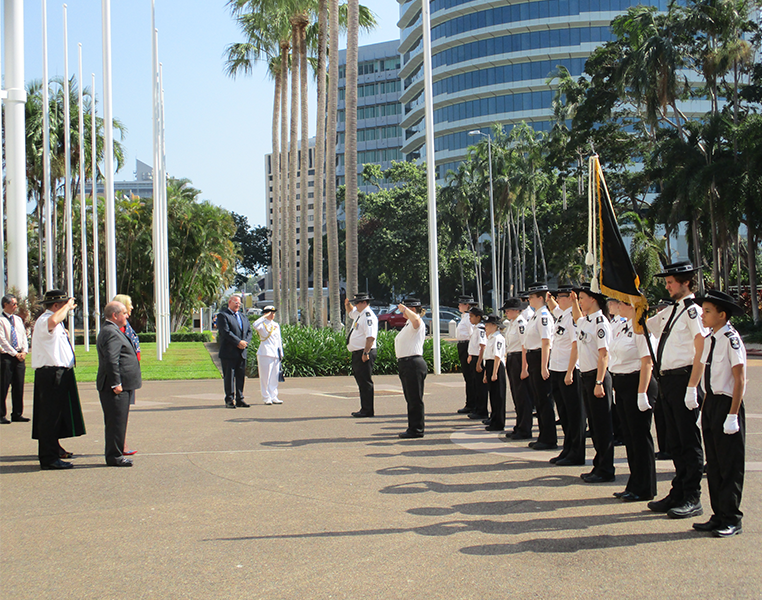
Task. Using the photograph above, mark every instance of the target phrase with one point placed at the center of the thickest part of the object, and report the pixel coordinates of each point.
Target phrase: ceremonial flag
(613, 272)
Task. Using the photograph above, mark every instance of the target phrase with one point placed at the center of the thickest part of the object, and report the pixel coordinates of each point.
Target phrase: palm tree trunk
(332, 230)
(275, 169)
(539, 243)
(509, 234)
(350, 146)
(304, 247)
(284, 238)
(317, 237)
(293, 162)
(751, 254)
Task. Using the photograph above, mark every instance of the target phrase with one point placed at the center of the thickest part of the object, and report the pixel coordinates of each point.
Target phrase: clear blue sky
(217, 128)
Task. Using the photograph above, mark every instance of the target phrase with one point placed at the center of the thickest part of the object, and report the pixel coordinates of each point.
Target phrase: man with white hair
(234, 335)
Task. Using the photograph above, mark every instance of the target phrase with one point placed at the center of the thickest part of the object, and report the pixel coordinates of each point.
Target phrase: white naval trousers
(269, 367)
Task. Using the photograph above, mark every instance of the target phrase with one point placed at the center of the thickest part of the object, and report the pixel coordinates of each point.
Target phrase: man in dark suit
(235, 335)
(118, 378)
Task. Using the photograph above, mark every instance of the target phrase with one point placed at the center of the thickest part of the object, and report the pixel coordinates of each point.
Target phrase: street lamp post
(491, 220)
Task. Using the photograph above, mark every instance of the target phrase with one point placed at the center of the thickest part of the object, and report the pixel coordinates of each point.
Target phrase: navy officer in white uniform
(361, 342)
(408, 346)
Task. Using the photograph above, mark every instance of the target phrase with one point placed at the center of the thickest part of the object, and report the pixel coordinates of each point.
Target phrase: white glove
(691, 398)
(731, 425)
(643, 403)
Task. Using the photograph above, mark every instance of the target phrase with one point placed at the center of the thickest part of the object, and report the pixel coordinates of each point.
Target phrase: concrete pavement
(302, 501)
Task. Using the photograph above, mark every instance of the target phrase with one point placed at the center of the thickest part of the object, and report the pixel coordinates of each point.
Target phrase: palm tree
(317, 264)
(350, 145)
(304, 254)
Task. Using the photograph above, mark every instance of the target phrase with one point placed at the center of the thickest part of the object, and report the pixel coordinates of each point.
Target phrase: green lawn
(182, 360)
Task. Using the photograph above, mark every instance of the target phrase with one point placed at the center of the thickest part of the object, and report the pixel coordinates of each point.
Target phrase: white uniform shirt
(5, 335)
(409, 341)
(679, 349)
(539, 327)
(527, 313)
(617, 323)
(365, 325)
(464, 329)
(514, 334)
(593, 333)
(270, 342)
(729, 351)
(627, 349)
(495, 347)
(564, 336)
(478, 339)
(50, 348)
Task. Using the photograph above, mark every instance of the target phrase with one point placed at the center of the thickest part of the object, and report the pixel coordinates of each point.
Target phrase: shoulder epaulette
(599, 319)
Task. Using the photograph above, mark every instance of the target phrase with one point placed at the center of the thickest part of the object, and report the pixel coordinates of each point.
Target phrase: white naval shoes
(277, 401)
(268, 402)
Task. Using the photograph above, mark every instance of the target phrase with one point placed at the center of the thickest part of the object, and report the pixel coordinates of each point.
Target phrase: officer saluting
(678, 360)
(361, 342)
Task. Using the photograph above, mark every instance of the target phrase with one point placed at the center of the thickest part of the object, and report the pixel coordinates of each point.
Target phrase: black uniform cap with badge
(54, 296)
(467, 299)
(539, 289)
(563, 289)
(493, 320)
(722, 301)
(513, 304)
(599, 298)
(476, 311)
(362, 297)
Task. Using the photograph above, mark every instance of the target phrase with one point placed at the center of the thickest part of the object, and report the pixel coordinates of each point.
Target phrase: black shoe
(662, 506)
(242, 404)
(710, 525)
(407, 435)
(598, 478)
(630, 497)
(121, 462)
(662, 455)
(4, 421)
(229, 405)
(465, 410)
(479, 416)
(486, 421)
(555, 459)
(618, 495)
(361, 414)
(689, 508)
(493, 428)
(727, 531)
(542, 446)
(57, 466)
(618, 442)
(20, 419)
(519, 436)
(570, 462)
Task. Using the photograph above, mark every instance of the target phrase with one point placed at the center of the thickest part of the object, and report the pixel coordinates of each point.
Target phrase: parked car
(391, 320)
(445, 316)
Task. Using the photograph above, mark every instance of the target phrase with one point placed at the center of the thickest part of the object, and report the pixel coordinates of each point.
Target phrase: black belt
(53, 368)
(535, 351)
(515, 353)
(615, 375)
(462, 342)
(680, 371)
(409, 357)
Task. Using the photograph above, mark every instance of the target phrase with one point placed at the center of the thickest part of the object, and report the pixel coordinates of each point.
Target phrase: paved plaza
(300, 501)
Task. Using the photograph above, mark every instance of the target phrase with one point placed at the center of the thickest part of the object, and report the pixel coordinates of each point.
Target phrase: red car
(391, 320)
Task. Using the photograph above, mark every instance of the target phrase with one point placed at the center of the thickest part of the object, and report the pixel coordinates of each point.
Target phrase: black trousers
(571, 413)
(465, 368)
(480, 389)
(57, 411)
(660, 421)
(599, 414)
(684, 437)
(522, 399)
(543, 399)
(363, 372)
(233, 375)
(412, 372)
(116, 410)
(497, 390)
(636, 432)
(12, 372)
(725, 459)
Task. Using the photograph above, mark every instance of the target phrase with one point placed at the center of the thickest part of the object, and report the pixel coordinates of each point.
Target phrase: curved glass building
(490, 62)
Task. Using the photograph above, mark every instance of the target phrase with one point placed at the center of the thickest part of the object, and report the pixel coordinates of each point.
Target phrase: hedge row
(310, 352)
(150, 337)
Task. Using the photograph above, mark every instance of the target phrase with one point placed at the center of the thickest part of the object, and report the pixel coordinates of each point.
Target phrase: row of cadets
(494, 372)
(515, 329)
(538, 341)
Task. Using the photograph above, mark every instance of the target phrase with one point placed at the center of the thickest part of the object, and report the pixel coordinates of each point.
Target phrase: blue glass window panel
(585, 34)
(527, 101)
(523, 12)
(573, 7)
(564, 36)
(491, 76)
(500, 104)
(553, 8)
(534, 40)
(544, 9)
(595, 5)
(490, 47)
(574, 37)
(534, 10)
(516, 12)
(509, 103)
(555, 38)
(526, 71)
(544, 39)
(537, 72)
(481, 20)
(584, 6)
(482, 77)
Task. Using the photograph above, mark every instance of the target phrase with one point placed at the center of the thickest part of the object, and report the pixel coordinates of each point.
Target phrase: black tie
(708, 369)
(349, 334)
(663, 338)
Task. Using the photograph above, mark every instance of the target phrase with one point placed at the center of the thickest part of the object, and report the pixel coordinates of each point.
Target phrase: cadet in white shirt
(538, 341)
(593, 340)
(408, 346)
(463, 337)
(565, 378)
(515, 329)
(678, 360)
(723, 419)
(617, 322)
(269, 355)
(494, 372)
(361, 342)
(476, 347)
(635, 388)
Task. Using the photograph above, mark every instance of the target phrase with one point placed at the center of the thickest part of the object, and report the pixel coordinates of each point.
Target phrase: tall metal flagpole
(49, 283)
(83, 209)
(108, 152)
(67, 182)
(164, 234)
(157, 300)
(15, 149)
(94, 193)
(431, 182)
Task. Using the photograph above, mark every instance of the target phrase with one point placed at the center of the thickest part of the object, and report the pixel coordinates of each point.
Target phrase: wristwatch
(598, 383)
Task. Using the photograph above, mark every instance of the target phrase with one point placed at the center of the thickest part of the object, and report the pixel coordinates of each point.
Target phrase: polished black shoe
(620, 494)
(555, 459)
(630, 497)
(479, 416)
(242, 404)
(593, 478)
(19, 419)
(122, 462)
(727, 531)
(519, 436)
(493, 428)
(465, 410)
(57, 466)
(4, 421)
(408, 435)
(361, 414)
(663, 505)
(229, 405)
(542, 446)
(618, 442)
(710, 525)
(689, 508)
(570, 462)
(486, 421)
(65, 454)
(662, 455)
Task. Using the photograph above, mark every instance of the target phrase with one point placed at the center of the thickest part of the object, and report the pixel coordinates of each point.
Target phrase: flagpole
(67, 181)
(157, 299)
(49, 283)
(108, 152)
(83, 210)
(94, 193)
(164, 233)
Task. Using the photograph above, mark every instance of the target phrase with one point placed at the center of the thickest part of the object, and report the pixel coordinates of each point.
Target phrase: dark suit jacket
(230, 334)
(117, 361)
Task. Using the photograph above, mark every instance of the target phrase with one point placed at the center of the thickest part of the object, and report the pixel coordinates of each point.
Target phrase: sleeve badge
(735, 343)
(692, 312)
(544, 321)
(601, 333)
